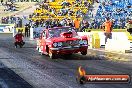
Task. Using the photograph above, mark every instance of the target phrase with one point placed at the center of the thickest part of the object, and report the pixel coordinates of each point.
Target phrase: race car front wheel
(52, 55)
(84, 52)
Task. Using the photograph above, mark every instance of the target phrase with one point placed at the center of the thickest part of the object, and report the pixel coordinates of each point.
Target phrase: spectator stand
(120, 11)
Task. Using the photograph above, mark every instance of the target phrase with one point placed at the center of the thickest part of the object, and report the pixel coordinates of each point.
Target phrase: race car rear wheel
(52, 55)
(84, 52)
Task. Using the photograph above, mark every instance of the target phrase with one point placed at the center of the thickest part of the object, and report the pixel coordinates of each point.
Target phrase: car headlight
(81, 42)
(59, 44)
(55, 44)
(85, 42)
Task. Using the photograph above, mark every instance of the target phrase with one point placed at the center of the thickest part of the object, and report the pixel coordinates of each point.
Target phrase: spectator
(27, 30)
(77, 24)
(108, 29)
(2, 2)
(20, 22)
(85, 26)
(70, 13)
(63, 22)
(119, 24)
(63, 11)
(64, 3)
(69, 22)
(77, 1)
(17, 21)
(37, 23)
(129, 26)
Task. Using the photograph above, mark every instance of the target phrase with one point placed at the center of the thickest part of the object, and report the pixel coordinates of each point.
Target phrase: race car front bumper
(69, 50)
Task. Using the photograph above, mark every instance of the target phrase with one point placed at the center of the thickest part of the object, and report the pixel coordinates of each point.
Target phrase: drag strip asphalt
(42, 72)
(9, 79)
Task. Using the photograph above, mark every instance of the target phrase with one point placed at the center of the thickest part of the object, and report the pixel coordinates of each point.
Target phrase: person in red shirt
(19, 39)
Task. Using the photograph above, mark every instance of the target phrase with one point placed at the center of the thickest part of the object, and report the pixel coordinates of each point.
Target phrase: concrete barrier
(113, 45)
(129, 36)
(115, 36)
(120, 41)
(93, 39)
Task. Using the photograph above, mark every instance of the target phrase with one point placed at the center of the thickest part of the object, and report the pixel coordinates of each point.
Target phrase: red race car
(61, 41)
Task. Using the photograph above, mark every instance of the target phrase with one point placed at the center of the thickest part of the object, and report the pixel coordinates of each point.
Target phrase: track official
(107, 26)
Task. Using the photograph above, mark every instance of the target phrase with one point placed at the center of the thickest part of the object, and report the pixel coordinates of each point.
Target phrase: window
(57, 32)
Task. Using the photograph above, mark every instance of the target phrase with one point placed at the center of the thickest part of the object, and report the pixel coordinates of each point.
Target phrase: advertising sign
(6, 28)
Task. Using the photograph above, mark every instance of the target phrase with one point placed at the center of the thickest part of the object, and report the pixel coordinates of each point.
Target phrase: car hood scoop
(66, 34)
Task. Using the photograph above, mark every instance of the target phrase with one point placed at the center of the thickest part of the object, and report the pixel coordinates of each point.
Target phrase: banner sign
(6, 28)
(83, 77)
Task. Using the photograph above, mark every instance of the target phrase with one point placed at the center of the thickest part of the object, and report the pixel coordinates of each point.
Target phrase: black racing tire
(84, 52)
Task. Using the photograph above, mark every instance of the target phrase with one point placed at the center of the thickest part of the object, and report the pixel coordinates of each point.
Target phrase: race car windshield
(57, 32)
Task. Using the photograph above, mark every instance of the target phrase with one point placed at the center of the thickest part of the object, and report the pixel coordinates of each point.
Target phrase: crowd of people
(12, 20)
(119, 12)
(66, 9)
(9, 5)
(79, 24)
